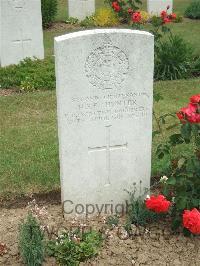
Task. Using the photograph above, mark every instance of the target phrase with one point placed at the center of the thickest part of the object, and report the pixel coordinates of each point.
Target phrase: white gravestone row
(155, 7)
(20, 31)
(81, 8)
(104, 102)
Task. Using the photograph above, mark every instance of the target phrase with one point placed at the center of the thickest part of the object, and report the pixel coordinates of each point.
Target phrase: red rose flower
(158, 203)
(191, 221)
(195, 99)
(136, 17)
(116, 6)
(189, 113)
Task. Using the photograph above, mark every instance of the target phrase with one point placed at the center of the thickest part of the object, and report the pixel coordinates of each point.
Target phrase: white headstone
(81, 8)
(104, 101)
(21, 33)
(155, 7)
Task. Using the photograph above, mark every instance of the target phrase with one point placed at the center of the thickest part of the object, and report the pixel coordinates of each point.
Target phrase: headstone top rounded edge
(100, 31)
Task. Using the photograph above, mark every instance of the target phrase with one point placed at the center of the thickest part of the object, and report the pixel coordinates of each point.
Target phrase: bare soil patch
(61, 26)
(151, 248)
(13, 202)
(8, 92)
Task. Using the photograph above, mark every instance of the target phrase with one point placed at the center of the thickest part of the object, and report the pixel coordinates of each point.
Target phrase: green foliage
(105, 17)
(88, 22)
(193, 10)
(31, 243)
(196, 67)
(29, 75)
(112, 221)
(71, 21)
(49, 10)
(173, 56)
(138, 214)
(178, 19)
(71, 248)
(173, 59)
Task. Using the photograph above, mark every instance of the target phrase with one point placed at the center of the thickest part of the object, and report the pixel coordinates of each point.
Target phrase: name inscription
(111, 106)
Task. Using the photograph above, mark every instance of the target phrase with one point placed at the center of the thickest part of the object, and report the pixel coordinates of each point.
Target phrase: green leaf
(171, 181)
(181, 203)
(186, 232)
(195, 129)
(196, 203)
(155, 132)
(186, 130)
(176, 223)
(176, 139)
(157, 96)
(161, 155)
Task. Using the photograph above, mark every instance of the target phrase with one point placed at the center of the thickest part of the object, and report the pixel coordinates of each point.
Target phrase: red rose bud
(116, 6)
(173, 16)
(157, 203)
(168, 7)
(130, 11)
(191, 221)
(163, 14)
(195, 98)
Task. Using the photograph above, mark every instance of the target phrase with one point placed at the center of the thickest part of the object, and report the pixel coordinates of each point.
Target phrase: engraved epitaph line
(17, 4)
(108, 148)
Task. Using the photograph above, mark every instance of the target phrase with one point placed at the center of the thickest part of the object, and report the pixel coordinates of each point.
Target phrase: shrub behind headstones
(49, 10)
(193, 10)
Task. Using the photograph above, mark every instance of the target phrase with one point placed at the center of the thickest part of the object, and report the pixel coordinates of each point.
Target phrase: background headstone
(155, 7)
(104, 101)
(81, 8)
(21, 33)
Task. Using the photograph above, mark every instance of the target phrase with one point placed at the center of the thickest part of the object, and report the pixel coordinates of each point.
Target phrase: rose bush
(128, 12)
(183, 183)
(174, 58)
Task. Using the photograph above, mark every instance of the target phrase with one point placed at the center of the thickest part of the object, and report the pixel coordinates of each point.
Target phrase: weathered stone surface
(104, 99)
(81, 8)
(21, 33)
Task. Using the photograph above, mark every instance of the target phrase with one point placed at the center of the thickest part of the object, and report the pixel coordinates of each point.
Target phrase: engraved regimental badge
(107, 66)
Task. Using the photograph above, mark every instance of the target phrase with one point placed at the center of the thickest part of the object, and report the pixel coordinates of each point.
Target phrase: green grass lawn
(29, 145)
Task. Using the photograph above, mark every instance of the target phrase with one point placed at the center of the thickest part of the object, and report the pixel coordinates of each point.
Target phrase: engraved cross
(22, 42)
(108, 148)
